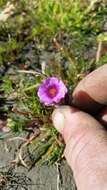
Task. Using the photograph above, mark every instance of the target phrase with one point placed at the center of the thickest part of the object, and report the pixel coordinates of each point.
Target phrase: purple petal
(46, 97)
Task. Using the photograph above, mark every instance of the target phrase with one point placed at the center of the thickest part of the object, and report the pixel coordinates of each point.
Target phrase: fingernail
(58, 120)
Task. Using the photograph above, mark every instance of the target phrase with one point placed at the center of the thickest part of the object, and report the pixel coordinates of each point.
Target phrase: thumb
(86, 145)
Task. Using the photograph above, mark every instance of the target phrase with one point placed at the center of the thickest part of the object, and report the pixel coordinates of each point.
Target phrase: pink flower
(51, 91)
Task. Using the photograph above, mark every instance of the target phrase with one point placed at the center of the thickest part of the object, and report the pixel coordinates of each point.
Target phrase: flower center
(52, 91)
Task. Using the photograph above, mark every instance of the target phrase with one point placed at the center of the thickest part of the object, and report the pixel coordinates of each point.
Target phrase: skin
(83, 129)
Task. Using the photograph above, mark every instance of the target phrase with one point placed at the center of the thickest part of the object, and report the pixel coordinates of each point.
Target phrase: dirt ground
(56, 177)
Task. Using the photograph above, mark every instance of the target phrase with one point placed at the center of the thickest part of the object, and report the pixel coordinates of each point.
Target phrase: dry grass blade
(7, 12)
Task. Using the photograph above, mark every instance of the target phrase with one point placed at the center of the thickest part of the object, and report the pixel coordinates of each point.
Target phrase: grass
(65, 35)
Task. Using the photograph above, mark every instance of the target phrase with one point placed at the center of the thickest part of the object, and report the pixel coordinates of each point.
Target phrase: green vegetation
(69, 37)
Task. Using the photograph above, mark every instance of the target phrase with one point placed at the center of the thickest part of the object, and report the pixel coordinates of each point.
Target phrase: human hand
(85, 137)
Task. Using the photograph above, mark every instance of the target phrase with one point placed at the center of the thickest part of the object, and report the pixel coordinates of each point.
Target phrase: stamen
(52, 91)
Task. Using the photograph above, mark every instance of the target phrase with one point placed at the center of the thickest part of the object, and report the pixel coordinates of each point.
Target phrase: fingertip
(86, 96)
(59, 116)
(58, 120)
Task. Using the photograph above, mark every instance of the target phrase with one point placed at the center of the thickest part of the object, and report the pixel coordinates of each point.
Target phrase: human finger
(91, 93)
(86, 147)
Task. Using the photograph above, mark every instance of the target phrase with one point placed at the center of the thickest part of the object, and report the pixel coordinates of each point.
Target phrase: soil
(44, 177)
